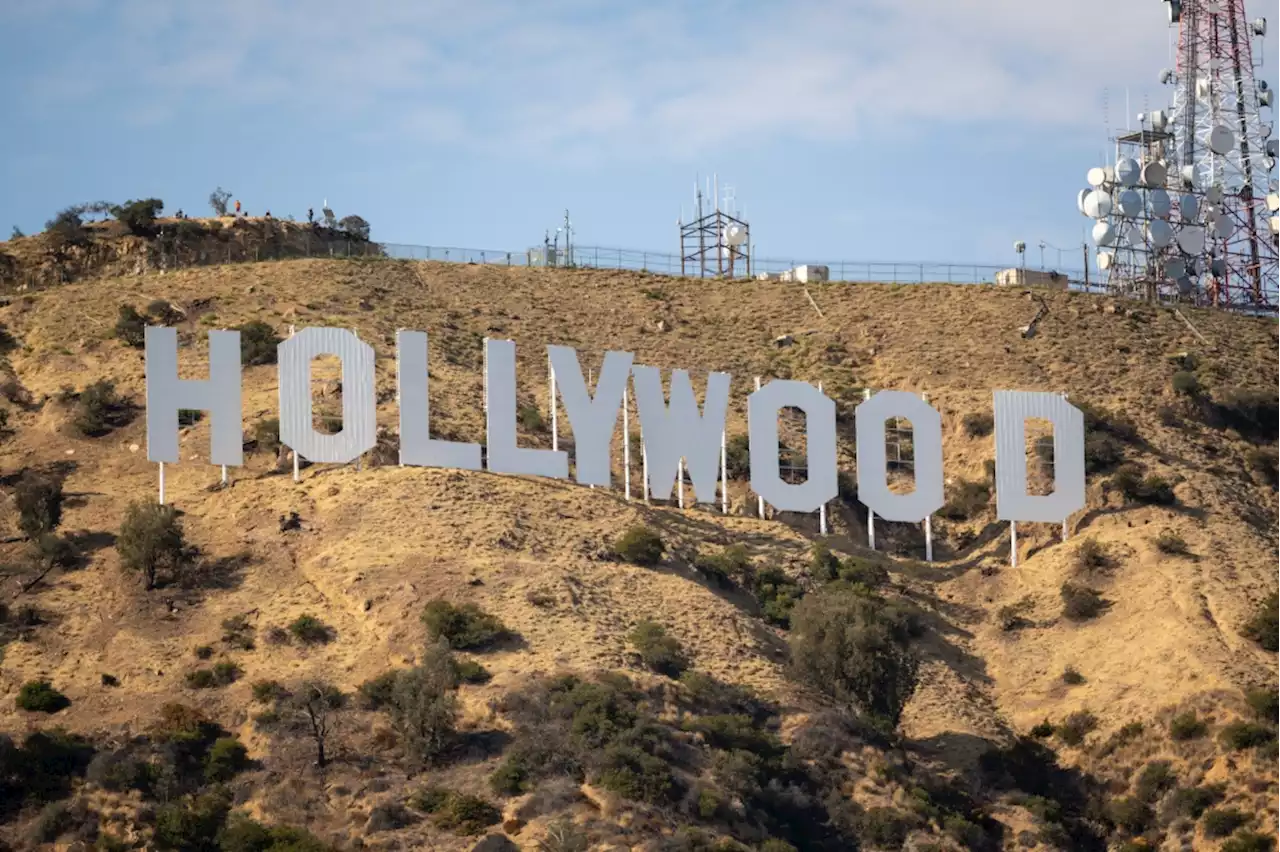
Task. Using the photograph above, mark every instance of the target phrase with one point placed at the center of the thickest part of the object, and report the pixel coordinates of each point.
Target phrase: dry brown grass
(378, 544)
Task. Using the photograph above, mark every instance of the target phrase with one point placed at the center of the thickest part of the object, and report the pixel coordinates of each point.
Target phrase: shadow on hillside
(213, 574)
(59, 470)
(85, 542)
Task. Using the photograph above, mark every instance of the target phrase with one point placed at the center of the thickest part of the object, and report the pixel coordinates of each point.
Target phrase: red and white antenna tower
(1189, 209)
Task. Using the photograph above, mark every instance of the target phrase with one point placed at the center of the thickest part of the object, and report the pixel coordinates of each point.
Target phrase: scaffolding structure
(715, 242)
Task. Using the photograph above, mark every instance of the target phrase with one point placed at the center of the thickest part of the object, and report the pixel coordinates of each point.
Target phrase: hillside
(373, 547)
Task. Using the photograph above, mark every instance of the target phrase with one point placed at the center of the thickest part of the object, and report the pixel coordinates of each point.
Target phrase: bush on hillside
(218, 201)
(978, 424)
(1136, 488)
(1156, 777)
(1076, 727)
(1081, 603)
(1264, 462)
(1092, 555)
(1255, 414)
(310, 630)
(151, 541)
(355, 226)
(1265, 703)
(659, 651)
(968, 500)
(1172, 544)
(1187, 726)
(464, 628)
(1219, 822)
(258, 342)
(1263, 627)
(99, 409)
(640, 545)
(39, 696)
(1194, 801)
(733, 564)
(853, 646)
(1249, 841)
(1238, 736)
(130, 328)
(38, 499)
(422, 703)
(1187, 384)
(139, 216)
(266, 434)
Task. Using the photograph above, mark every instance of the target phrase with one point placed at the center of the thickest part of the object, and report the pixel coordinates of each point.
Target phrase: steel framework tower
(1187, 209)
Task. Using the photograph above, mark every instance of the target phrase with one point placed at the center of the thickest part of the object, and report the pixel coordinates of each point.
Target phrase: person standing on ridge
(237, 207)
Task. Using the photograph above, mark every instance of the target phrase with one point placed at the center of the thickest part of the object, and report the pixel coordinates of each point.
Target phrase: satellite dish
(1189, 207)
(1275, 224)
(1185, 286)
(1273, 147)
(1128, 171)
(1142, 118)
(1221, 140)
(1096, 176)
(1213, 194)
(1154, 173)
(1265, 98)
(1202, 87)
(1218, 266)
(1189, 176)
(1104, 259)
(735, 235)
(1191, 239)
(1211, 215)
(1097, 204)
(1259, 26)
(1104, 233)
(1130, 202)
(1224, 227)
(1133, 236)
(1019, 246)
(1175, 11)
(1080, 201)
(1273, 202)
(1174, 268)
(1167, 76)
(1158, 201)
(1263, 86)
(1213, 7)
(1159, 119)
(1160, 232)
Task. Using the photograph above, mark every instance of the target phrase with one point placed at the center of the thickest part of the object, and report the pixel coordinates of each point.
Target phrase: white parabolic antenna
(1224, 227)
(735, 235)
(1133, 235)
(1189, 208)
(1104, 260)
(1273, 201)
(1218, 266)
(1158, 201)
(1161, 232)
(1154, 173)
(1212, 215)
(1097, 204)
(1175, 268)
(1080, 201)
(1130, 202)
(1221, 140)
(1213, 194)
(1128, 171)
(1191, 239)
(1096, 176)
(1104, 233)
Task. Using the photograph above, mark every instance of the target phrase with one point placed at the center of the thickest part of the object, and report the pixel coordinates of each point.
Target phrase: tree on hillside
(138, 215)
(218, 201)
(354, 225)
(17, 232)
(150, 540)
(313, 706)
(39, 503)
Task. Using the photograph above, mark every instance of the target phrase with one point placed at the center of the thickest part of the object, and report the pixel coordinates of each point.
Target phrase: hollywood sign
(675, 431)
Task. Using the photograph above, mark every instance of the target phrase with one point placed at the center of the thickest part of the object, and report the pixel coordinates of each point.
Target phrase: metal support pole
(928, 539)
(555, 437)
(1013, 544)
(680, 482)
(224, 475)
(296, 477)
(759, 499)
(871, 515)
(644, 464)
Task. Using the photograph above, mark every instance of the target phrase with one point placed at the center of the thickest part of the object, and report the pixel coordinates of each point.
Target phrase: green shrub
(1136, 488)
(1186, 384)
(850, 645)
(1265, 703)
(39, 696)
(883, 828)
(735, 731)
(660, 652)
(223, 673)
(979, 424)
(423, 706)
(1194, 801)
(268, 691)
(1241, 735)
(1156, 777)
(470, 671)
(465, 815)
(1169, 542)
(640, 545)
(139, 216)
(1092, 555)
(1219, 822)
(151, 541)
(1265, 462)
(1076, 727)
(204, 652)
(38, 500)
(99, 409)
(1249, 841)
(258, 342)
(164, 313)
(1072, 677)
(465, 628)
(266, 434)
(192, 824)
(226, 759)
(1187, 726)
(737, 457)
(130, 328)
(777, 594)
(863, 572)
(376, 693)
(636, 775)
(1102, 452)
(1043, 730)
(968, 500)
(1255, 414)
(310, 630)
(531, 419)
(237, 633)
(1081, 603)
(724, 568)
(1013, 616)
(1131, 814)
(1263, 627)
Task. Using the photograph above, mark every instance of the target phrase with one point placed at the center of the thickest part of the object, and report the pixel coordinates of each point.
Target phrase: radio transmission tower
(1188, 208)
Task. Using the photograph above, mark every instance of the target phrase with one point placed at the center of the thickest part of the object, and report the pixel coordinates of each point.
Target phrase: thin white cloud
(663, 78)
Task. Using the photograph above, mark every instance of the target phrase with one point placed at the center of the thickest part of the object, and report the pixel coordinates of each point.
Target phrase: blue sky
(931, 130)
